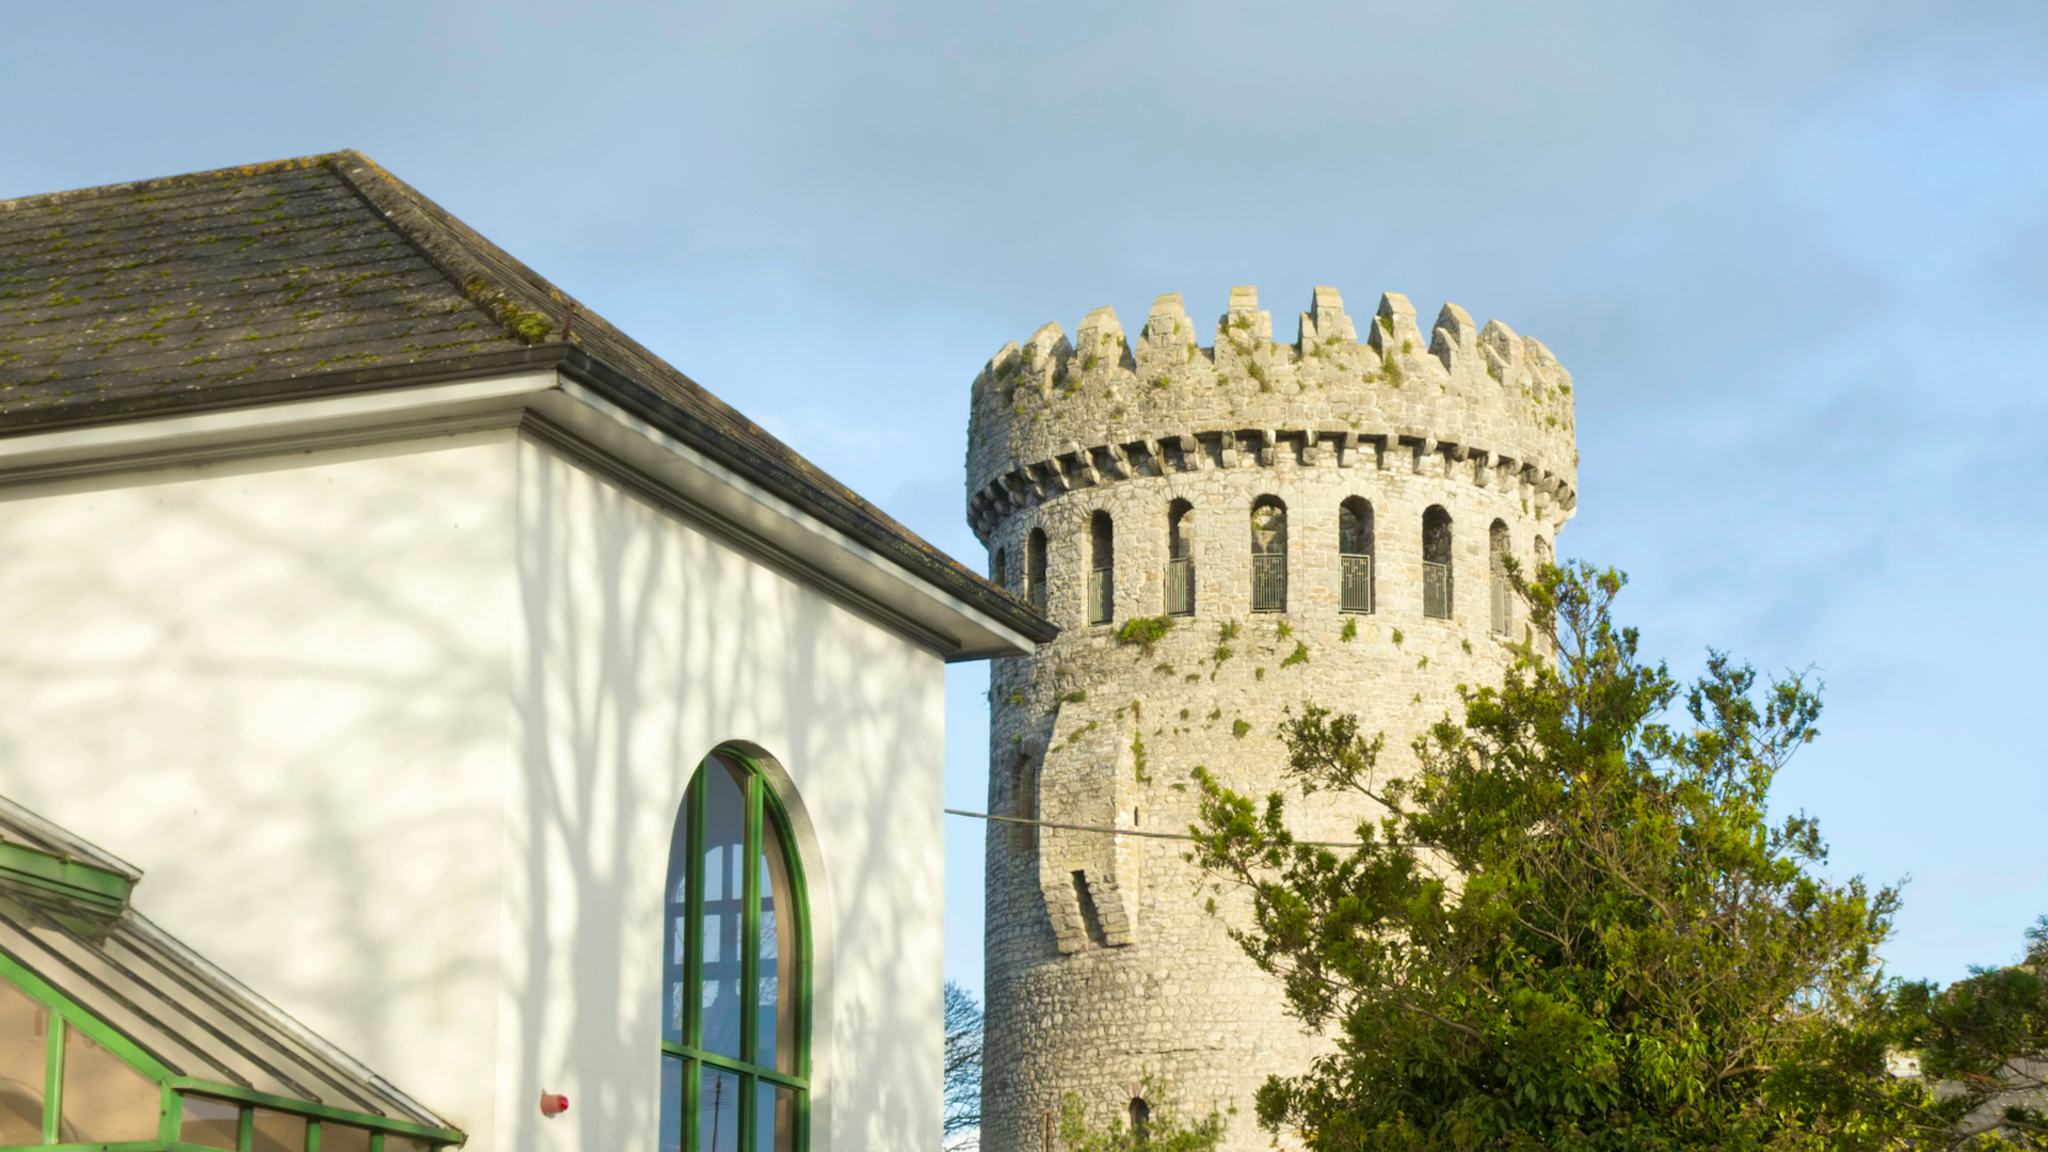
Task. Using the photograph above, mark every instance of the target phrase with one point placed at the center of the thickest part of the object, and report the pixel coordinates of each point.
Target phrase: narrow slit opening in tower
(1090, 919)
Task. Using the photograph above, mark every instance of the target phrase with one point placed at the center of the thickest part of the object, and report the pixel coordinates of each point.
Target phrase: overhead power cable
(1104, 831)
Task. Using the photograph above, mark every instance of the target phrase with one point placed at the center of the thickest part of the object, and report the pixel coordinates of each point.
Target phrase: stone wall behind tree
(1105, 964)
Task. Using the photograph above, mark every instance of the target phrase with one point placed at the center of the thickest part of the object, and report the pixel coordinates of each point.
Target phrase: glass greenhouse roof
(115, 1035)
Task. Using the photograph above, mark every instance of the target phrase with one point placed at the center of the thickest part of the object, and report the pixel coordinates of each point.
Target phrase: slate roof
(326, 274)
(187, 1014)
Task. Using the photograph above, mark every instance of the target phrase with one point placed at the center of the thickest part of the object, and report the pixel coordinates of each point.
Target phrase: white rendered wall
(398, 736)
(278, 688)
(645, 643)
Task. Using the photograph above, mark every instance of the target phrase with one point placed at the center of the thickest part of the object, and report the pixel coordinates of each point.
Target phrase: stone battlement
(1058, 413)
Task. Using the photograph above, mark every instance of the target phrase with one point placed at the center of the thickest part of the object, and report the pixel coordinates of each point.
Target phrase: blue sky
(1797, 262)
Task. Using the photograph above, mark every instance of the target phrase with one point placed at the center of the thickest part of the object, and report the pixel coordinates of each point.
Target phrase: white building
(378, 607)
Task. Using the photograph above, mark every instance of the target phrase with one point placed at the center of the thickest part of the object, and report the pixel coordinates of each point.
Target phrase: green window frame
(64, 1016)
(688, 1055)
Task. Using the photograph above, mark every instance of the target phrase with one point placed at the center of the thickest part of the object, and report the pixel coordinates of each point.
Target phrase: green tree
(1576, 925)
(1984, 1040)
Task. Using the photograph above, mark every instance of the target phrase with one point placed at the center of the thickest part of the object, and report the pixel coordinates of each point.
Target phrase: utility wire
(1102, 831)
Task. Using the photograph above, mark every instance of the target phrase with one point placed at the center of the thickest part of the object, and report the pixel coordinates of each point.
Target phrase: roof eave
(895, 578)
(929, 595)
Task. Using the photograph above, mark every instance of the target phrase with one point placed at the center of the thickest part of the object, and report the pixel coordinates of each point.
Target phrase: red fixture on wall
(553, 1104)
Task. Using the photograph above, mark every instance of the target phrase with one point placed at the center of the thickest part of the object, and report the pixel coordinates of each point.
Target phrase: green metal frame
(66, 1014)
(761, 805)
(95, 888)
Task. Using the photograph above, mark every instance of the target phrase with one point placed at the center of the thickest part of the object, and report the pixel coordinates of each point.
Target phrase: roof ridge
(506, 281)
(180, 180)
(439, 237)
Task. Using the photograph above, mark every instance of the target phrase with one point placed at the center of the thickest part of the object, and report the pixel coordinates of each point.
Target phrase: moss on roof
(273, 271)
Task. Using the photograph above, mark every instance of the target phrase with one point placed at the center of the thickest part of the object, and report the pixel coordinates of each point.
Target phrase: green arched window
(735, 1062)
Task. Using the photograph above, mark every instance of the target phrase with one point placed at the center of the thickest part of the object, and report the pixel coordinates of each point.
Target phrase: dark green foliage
(1985, 1039)
(1635, 954)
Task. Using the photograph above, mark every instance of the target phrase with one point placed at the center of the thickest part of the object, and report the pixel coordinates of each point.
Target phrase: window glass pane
(725, 825)
(671, 1105)
(210, 1122)
(24, 1054)
(342, 1138)
(718, 1111)
(774, 1118)
(279, 1132)
(674, 931)
(775, 1003)
(105, 1099)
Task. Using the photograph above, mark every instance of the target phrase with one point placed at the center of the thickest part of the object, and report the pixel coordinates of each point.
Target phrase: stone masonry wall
(1106, 964)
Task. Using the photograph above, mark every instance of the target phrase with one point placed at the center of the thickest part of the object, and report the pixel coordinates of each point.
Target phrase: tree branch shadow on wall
(647, 647)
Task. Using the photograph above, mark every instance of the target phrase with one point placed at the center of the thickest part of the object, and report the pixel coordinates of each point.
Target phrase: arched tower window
(1543, 559)
(1269, 555)
(1101, 568)
(1436, 563)
(1354, 555)
(1141, 1121)
(1500, 591)
(1034, 569)
(1180, 558)
(1024, 803)
(999, 568)
(735, 961)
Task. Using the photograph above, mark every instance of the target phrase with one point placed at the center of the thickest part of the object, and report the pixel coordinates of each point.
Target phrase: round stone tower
(1220, 532)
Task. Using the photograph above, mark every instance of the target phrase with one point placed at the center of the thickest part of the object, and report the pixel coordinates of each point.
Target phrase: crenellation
(1324, 325)
(1393, 330)
(1485, 387)
(1454, 340)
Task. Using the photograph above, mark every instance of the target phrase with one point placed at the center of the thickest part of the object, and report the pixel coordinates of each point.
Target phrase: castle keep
(1220, 532)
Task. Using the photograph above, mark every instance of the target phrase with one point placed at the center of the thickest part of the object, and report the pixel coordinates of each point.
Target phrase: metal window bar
(1180, 586)
(1269, 582)
(1436, 590)
(1503, 604)
(1101, 595)
(1355, 587)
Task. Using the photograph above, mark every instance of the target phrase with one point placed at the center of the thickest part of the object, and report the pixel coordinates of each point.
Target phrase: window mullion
(53, 1075)
(171, 1115)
